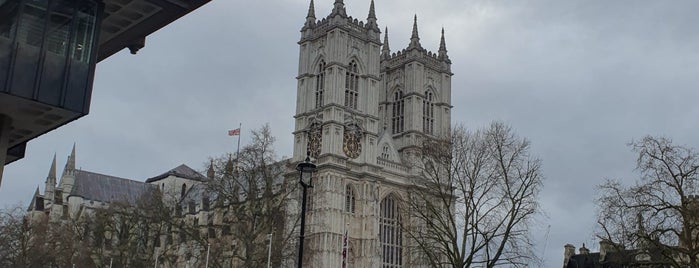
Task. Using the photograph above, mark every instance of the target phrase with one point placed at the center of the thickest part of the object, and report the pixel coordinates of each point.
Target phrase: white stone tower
(360, 113)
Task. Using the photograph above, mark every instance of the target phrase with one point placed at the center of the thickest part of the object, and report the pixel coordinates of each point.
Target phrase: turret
(567, 253)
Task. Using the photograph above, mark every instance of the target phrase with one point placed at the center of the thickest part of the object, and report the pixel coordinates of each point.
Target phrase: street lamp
(306, 169)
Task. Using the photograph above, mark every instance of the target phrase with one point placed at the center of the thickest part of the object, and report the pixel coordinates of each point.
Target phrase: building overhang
(123, 24)
(126, 23)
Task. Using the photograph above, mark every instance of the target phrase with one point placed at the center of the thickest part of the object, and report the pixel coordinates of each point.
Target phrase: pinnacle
(311, 11)
(70, 164)
(415, 34)
(442, 43)
(415, 38)
(386, 51)
(372, 12)
(339, 8)
(52, 171)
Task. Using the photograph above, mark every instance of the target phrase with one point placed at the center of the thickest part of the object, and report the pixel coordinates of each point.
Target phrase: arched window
(397, 118)
(320, 84)
(184, 190)
(352, 85)
(386, 152)
(349, 199)
(390, 234)
(428, 113)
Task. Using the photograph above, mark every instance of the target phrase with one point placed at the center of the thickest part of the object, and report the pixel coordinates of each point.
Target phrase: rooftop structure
(48, 53)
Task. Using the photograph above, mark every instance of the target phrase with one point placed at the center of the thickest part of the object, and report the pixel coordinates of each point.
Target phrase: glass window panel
(84, 36)
(8, 17)
(31, 28)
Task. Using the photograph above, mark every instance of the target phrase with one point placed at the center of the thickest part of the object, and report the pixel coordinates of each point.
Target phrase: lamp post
(306, 169)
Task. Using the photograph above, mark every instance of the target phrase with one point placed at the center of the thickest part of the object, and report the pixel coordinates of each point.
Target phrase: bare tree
(250, 190)
(22, 243)
(476, 196)
(661, 211)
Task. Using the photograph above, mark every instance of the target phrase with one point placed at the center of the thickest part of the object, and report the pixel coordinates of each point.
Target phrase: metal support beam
(5, 124)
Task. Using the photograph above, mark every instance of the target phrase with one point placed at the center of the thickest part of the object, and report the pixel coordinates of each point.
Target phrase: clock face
(315, 139)
(352, 145)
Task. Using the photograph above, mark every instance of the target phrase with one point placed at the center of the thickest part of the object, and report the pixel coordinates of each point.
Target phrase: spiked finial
(386, 50)
(210, 173)
(339, 9)
(415, 38)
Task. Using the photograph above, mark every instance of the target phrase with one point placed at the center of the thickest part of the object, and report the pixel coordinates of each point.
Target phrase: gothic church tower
(361, 112)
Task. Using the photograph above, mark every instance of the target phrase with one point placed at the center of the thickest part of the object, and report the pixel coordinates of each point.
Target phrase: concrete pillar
(5, 123)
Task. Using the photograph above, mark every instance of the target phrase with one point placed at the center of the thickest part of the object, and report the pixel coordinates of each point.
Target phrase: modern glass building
(48, 53)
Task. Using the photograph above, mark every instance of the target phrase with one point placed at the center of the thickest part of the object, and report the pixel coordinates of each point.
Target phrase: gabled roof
(105, 188)
(182, 171)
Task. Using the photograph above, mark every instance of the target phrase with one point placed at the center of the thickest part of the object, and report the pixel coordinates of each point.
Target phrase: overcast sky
(580, 79)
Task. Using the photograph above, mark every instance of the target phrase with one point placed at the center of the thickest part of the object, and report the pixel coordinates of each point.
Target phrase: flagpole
(269, 252)
(208, 248)
(237, 154)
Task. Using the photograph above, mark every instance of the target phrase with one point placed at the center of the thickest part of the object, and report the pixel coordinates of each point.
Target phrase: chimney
(569, 252)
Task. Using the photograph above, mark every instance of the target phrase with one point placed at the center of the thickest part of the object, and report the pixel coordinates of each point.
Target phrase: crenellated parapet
(427, 58)
(353, 26)
(313, 30)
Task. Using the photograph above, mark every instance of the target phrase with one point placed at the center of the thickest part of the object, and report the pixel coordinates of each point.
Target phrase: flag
(344, 250)
(234, 132)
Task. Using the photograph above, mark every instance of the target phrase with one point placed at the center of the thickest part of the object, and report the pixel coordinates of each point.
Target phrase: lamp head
(306, 169)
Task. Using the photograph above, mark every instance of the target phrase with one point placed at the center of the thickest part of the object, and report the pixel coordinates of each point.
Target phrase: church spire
(415, 38)
(70, 164)
(443, 48)
(386, 50)
(339, 9)
(52, 172)
(311, 17)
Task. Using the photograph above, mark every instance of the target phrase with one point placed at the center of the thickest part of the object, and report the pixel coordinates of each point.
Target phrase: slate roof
(182, 171)
(617, 259)
(105, 188)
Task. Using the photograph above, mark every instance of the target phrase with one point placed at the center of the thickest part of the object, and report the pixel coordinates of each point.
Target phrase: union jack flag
(344, 250)
(234, 132)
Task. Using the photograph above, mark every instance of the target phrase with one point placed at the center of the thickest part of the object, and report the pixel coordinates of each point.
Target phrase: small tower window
(349, 199)
(320, 84)
(386, 152)
(428, 113)
(398, 116)
(351, 85)
(184, 190)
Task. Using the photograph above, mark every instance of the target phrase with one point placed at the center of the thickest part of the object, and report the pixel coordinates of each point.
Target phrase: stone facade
(361, 114)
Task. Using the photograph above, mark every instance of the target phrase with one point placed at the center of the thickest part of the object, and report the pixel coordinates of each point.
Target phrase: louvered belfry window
(352, 85)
